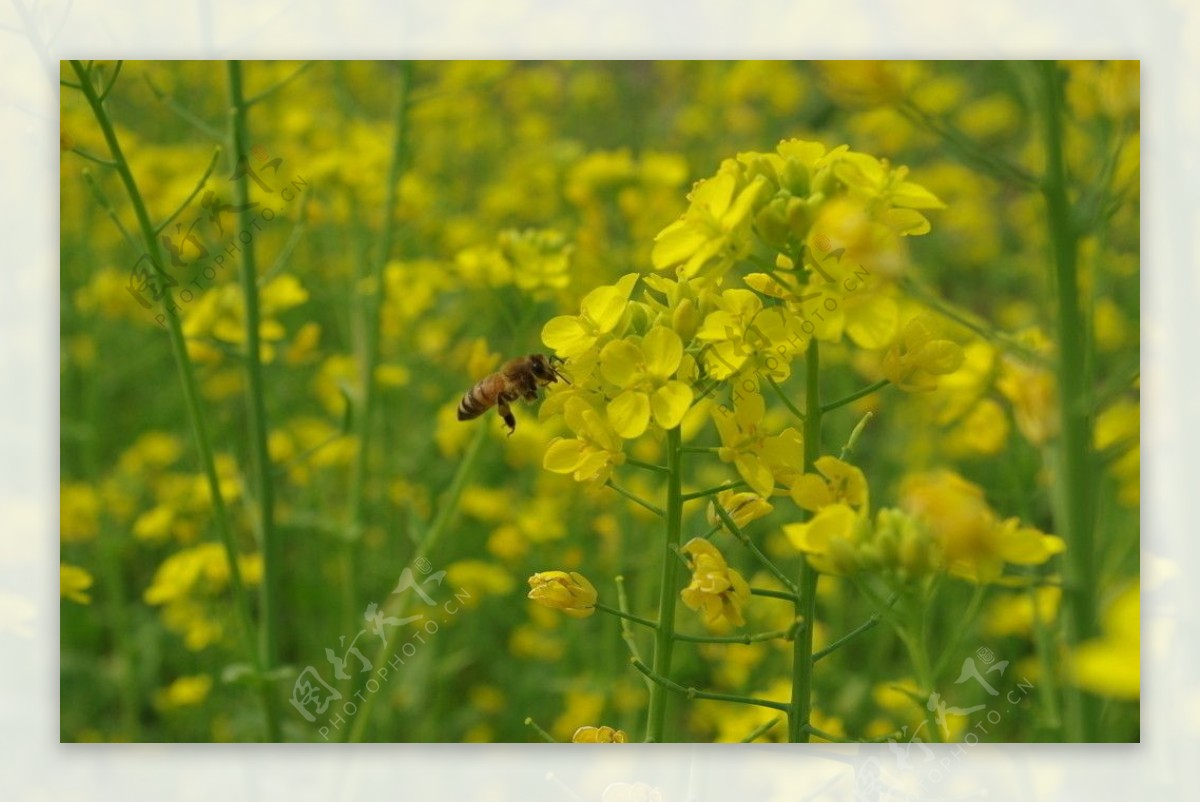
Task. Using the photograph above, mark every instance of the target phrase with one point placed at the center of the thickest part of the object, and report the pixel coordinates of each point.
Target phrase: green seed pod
(685, 320)
(772, 223)
(795, 178)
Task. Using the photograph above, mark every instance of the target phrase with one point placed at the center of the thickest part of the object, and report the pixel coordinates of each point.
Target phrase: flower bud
(771, 223)
(590, 734)
(685, 320)
(569, 592)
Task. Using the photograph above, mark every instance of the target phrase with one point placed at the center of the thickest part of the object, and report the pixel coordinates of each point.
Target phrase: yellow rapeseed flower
(74, 582)
(1111, 664)
(716, 591)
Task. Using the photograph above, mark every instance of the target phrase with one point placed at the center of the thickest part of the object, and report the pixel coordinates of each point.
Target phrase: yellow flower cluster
(944, 524)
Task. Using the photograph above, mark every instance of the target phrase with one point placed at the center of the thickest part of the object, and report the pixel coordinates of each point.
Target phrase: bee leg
(509, 418)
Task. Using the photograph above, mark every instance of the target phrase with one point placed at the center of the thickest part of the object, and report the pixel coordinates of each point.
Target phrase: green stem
(786, 633)
(632, 497)
(696, 694)
(871, 622)
(1049, 666)
(627, 631)
(796, 411)
(761, 730)
(729, 486)
(800, 711)
(664, 641)
(540, 731)
(600, 606)
(191, 399)
(867, 391)
(270, 536)
(773, 594)
(429, 541)
(629, 461)
(1074, 509)
(767, 563)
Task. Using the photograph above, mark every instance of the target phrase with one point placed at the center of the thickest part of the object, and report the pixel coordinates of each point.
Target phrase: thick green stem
(191, 397)
(806, 606)
(1075, 522)
(664, 640)
(270, 536)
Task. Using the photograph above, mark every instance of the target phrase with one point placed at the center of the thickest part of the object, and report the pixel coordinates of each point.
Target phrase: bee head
(544, 369)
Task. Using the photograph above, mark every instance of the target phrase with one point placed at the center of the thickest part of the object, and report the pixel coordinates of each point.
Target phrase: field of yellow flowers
(836, 437)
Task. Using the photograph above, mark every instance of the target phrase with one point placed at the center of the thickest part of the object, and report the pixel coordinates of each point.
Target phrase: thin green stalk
(632, 497)
(622, 614)
(270, 536)
(1075, 520)
(429, 541)
(761, 730)
(369, 318)
(664, 642)
(749, 638)
(788, 403)
(867, 391)
(1048, 664)
(870, 623)
(766, 562)
(728, 486)
(627, 631)
(773, 594)
(806, 605)
(540, 731)
(696, 694)
(629, 461)
(191, 400)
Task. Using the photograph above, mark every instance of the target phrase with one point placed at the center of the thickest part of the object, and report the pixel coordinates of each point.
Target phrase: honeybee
(519, 378)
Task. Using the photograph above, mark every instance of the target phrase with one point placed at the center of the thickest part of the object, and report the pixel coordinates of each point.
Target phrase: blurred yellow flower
(974, 542)
(1110, 665)
(74, 582)
(912, 363)
(569, 592)
(480, 579)
(184, 692)
(78, 512)
(1012, 614)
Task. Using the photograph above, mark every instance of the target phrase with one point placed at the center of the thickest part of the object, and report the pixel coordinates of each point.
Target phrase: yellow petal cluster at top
(827, 226)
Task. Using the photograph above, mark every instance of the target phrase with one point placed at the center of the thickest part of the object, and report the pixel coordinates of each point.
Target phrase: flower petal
(670, 403)
(629, 413)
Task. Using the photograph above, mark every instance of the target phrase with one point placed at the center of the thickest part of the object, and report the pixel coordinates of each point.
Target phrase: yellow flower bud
(589, 734)
(743, 508)
(685, 319)
(569, 592)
